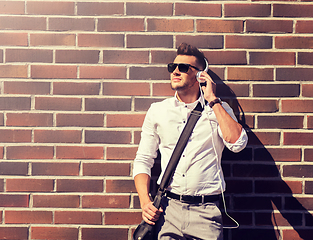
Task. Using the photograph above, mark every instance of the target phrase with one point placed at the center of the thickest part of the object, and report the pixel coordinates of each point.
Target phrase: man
(190, 207)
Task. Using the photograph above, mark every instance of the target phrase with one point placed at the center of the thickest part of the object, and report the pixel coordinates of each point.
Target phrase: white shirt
(199, 169)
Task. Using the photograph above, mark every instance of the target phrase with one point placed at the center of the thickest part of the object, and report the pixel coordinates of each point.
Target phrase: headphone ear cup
(198, 75)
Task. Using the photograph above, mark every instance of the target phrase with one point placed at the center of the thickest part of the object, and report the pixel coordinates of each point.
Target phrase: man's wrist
(215, 101)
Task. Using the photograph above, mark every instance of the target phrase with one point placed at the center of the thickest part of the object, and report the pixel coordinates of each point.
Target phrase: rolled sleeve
(240, 144)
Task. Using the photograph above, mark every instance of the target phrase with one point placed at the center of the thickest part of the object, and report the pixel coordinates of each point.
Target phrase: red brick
(122, 218)
(29, 119)
(57, 136)
(201, 41)
(100, 8)
(255, 170)
(71, 24)
(264, 138)
(126, 89)
(82, 217)
(100, 40)
(269, 219)
(102, 72)
(41, 88)
(226, 57)
(243, 73)
(12, 7)
(298, 138)
(125, 120)
(28, 217)
(59, 104)
(107, 137)
(14, 168)
(1, 152)
(291, 234)
(310, 122)
(50, 8)
(219, 26)
(79, 185)
(302, 171)
(162, 89)
(79, 120)
(149, 41)
(106, 169)
(292, 10)
(61, 233)
(15, 103)
(80, 152)
(108, 104)
(269, 26)
(278, 154)
(13, 39)
(297, 106)
(149, 9)
(308, 155)
(104, 233)
(120, 186)
(105, 201)
(143, 104)
(22, 23)
(250, 105)
(56, 201)
(125, 57)
(304, 26)
(272, 58)
(53, 71)
(55, 39)
(77, 56)
(148, 73)
(14, 233)
(13, 71)
(247, 10)
(276, 90)
(293, 42)
(280, 122)
(294, 74)
(121, 24)
(305, 58)
(29, 152)
(170, 25)
(74, 88)
(121, 153)
(198, 9)
(250, 42)
(9, 200)
(277, 186)
(231, 90)
(30, 185)
(15, 135)
(55, 169)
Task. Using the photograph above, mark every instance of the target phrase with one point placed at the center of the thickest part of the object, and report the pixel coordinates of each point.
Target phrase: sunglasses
(182, 67)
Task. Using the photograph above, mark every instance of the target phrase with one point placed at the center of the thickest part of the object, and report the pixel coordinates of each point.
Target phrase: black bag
(145, 231)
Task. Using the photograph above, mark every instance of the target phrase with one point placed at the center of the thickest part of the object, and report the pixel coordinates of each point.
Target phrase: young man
(189, 209)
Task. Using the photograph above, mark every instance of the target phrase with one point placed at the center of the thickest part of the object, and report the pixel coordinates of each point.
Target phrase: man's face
(184, 81)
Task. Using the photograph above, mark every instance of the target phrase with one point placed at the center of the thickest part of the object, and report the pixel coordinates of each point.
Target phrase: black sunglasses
(182, 67)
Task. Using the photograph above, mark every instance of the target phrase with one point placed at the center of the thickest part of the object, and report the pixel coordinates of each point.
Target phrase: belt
(193, 199)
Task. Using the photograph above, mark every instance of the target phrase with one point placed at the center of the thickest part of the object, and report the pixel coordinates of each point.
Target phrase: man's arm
(231, 129)
(150, 213)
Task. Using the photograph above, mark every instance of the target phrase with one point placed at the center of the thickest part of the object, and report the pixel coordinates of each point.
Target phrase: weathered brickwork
(77, 77)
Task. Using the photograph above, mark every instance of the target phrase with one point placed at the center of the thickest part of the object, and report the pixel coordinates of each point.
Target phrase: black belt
(193, 199)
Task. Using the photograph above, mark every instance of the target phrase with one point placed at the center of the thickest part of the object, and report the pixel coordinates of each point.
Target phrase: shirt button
(183, 175)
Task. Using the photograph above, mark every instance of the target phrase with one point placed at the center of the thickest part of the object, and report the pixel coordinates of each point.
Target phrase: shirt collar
(191, 105)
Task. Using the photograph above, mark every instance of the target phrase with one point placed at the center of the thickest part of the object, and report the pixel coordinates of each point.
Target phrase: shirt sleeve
(148, 146)
(242, 141)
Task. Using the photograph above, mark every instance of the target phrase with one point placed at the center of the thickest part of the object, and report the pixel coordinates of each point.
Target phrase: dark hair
(187, 49)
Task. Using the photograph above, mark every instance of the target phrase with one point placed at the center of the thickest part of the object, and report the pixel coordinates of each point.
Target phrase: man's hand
(210, 88)
(150, 214)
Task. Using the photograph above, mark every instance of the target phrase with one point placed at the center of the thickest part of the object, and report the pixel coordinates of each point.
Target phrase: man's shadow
(256, 196)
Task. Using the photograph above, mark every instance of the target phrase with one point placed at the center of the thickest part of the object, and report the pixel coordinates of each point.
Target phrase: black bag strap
(180, 146)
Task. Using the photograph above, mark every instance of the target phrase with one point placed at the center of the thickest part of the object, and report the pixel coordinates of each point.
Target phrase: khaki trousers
(189, 221)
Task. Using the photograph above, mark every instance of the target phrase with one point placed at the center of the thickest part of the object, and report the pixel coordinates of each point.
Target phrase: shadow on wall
(256, 195)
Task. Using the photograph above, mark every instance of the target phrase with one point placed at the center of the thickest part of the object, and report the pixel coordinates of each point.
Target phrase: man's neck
(187, 98)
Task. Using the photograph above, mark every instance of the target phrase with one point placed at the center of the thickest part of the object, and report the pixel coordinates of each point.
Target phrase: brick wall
(78, 76)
